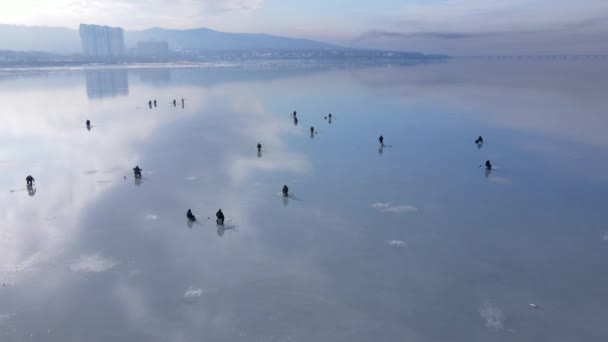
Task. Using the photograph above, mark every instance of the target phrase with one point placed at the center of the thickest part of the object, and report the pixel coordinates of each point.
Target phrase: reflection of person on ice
(220, 217)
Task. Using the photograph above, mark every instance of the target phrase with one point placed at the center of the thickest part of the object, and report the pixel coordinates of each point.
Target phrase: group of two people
(479, 142)
(219, 215)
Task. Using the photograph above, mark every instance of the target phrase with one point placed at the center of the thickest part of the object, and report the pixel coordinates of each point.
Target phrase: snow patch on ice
(390, 208)
(25, 264)
(500, 180)
(151, 217)
(92, 263)
(397, 243)
(492, 316)
(192, 293)
(4, 317)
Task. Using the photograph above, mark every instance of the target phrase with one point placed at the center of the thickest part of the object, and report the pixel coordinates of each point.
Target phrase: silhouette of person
(295, 113)
(312, 130)
(220, 217)
(190, 216)
(182, 103)
(479, 140)
(154, 103)
(150, 104)
(137, 171)
(88, 124)
(29, 180)
(174, 103)
(488, 165)
(381, 140)
(329, 116)
(259, 147)
(285, 191)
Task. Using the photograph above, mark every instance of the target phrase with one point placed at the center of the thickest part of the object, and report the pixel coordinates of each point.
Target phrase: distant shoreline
(253, 64)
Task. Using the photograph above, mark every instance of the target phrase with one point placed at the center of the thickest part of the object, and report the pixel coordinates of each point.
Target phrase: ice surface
(329, 265)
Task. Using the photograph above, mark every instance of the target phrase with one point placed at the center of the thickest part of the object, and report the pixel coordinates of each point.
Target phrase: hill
(67, 41)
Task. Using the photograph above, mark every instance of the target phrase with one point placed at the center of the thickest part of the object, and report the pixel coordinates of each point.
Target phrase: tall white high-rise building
(102, 41)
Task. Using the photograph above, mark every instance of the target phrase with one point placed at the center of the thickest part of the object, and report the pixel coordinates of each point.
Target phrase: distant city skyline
(459, 27)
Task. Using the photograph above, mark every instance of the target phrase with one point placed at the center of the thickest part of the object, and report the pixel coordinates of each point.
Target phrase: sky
(461, 27)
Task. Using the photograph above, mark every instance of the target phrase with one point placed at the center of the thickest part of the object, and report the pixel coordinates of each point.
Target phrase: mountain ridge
(65, 40)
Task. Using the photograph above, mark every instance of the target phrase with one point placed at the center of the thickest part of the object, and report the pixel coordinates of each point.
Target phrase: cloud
(476, 16)
(482, 27)
(380, 34)
(132, 14)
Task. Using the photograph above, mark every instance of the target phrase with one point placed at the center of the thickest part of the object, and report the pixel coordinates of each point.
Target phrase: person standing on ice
(285, 191)
(220, 217)
(137, 171)
(190, 215)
